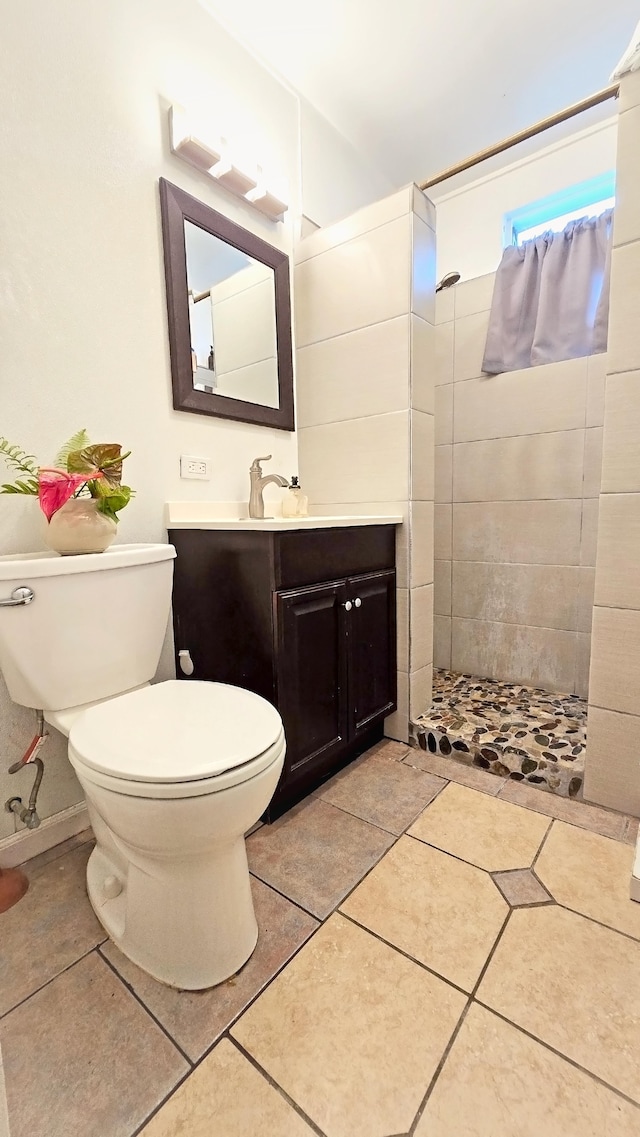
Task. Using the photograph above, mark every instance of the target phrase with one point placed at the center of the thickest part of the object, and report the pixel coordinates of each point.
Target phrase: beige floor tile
(520, 887)
(489, 833)
(387, 793)
(49, 929)
(574, 985)
(83, 1059)
(316, 854)
(195, 1019)
(581, 813)
(470, 776)
(444, 913)
(226, 1097)
(388, 748)
(496, 1082)
(590, 874)
(352, 1031)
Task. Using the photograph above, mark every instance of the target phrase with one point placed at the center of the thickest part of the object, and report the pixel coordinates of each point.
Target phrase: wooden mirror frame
(176, 208)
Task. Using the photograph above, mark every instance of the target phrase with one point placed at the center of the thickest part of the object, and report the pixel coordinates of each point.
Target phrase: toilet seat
(177, 739)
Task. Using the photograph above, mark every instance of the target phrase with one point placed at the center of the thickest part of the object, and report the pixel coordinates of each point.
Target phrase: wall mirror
(229, 315)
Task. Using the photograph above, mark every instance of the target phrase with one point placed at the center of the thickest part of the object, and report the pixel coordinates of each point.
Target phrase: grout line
(492, 952)
(517, 623)
(599, 923)
(516, 564)
(613, 710)
(439, 1067)
(52, 979)
(558, 1053)
(283, 1093)
(465, 1012)
(455, 857)
(147, 1009)
(543, 841)
(296, 903)
(406, 955)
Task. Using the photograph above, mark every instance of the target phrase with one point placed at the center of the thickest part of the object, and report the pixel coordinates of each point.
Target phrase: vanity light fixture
(188, 141)
(267, 202)
(214, 156)
(233, 178)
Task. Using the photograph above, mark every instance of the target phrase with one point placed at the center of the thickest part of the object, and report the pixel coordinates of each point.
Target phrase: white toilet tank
(94, 629)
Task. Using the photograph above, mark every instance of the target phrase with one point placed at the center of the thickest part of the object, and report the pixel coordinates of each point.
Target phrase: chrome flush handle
(22, 595)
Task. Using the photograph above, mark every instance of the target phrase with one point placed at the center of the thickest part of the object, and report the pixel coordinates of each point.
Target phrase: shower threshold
(516, 732)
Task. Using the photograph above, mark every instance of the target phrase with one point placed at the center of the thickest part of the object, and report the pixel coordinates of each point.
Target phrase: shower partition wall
(365, 308)
(613, 766)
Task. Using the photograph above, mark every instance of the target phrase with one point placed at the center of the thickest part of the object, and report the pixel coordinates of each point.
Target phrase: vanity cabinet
(305, 618)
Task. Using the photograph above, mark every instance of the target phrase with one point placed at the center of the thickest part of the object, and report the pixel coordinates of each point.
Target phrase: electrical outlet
(191, 467)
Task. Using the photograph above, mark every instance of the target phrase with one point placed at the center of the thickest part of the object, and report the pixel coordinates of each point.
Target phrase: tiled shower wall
(365, 308)
(518, 460)
(613, 727)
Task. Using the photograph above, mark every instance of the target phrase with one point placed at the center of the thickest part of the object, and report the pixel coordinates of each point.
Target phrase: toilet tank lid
(28, 566)
(175, 731)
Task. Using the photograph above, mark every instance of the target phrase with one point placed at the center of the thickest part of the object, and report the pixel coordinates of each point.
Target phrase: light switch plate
(196, 468)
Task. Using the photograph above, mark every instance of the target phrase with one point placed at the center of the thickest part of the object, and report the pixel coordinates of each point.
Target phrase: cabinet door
(312, 680)
(372, 648)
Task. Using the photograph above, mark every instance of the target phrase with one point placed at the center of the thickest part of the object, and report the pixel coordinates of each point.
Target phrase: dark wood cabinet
(305, 618)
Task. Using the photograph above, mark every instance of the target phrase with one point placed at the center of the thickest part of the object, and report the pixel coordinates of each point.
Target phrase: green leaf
(106, 457)
(18, 459)
(111, 501)
(30, 487)
(78, 441)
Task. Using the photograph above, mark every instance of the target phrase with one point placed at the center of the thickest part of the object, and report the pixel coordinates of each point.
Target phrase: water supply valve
(187, 666)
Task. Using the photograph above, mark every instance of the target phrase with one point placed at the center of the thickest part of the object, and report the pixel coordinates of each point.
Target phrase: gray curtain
(551, 297)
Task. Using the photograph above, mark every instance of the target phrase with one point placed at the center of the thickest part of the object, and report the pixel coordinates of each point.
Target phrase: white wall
(470, 218)
(85, 88)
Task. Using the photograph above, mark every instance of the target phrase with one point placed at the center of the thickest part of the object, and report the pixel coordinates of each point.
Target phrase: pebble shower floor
(516, 732)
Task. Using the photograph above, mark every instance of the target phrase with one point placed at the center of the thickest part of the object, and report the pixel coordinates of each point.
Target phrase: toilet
(174, 773)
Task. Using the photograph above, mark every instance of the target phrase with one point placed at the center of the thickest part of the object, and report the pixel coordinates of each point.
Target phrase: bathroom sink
(213, 515)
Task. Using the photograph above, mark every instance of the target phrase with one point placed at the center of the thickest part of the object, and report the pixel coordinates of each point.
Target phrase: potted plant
(80, 496)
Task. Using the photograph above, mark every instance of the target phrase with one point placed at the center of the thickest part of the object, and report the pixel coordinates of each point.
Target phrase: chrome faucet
(258, 482)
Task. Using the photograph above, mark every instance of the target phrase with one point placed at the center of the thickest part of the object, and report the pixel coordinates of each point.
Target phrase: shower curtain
(551, 297)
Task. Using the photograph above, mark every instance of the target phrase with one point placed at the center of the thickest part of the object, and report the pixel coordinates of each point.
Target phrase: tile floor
(436, 958)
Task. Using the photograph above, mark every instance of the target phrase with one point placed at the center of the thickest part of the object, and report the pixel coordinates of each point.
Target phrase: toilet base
(189, 928)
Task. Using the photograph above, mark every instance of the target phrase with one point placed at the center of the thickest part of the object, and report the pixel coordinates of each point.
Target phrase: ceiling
(417, 85)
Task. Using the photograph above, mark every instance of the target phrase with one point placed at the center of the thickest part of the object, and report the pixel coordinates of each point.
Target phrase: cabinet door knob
(358, 602)
(347, 606)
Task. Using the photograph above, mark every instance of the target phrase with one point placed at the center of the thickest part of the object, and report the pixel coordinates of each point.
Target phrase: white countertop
(217, 515)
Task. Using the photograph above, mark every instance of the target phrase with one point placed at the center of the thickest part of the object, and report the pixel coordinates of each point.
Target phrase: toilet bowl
(174, 775)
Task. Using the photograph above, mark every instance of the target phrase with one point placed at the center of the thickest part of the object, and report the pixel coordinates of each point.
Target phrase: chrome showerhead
(447, 281)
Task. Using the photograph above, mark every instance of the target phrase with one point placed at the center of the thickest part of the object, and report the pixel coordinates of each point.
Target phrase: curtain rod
(522, 135)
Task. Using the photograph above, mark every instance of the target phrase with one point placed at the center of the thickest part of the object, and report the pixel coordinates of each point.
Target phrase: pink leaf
(55, 487)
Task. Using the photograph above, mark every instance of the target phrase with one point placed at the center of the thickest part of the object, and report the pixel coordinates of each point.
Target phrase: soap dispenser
(295, 501)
